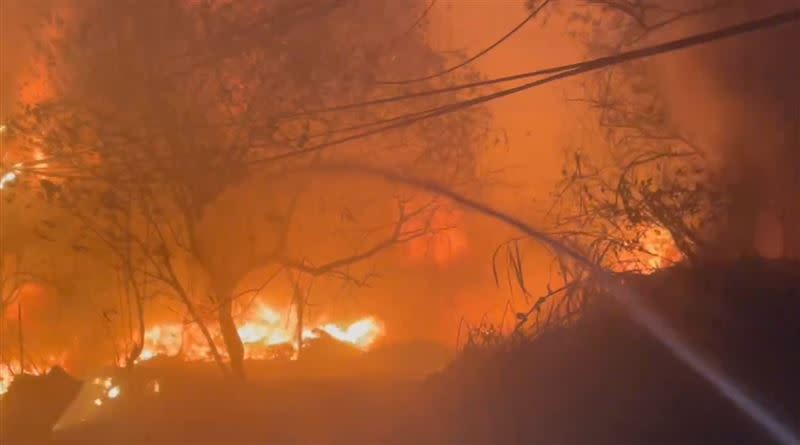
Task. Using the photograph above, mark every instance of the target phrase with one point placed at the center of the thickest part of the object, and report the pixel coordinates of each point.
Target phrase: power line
(581, 68)
(560, 73)
(416, 23)
(433, 92)
(473, 58)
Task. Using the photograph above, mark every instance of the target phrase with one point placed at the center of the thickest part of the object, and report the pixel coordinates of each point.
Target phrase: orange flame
(10, 369)
(656, 250)
(260, 331)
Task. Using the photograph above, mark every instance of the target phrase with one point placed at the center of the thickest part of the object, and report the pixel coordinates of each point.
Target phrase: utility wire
(561, 73)
(473, 58)
(480, 83)
(593, 65)
(433, 92)
(416, 23)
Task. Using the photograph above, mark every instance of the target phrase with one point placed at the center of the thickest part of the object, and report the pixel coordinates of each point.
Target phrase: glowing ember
(10, 176)
(113, 393)
(98, 402)
(7, 178)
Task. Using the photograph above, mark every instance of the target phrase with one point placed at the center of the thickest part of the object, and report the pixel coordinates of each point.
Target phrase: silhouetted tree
(192, 116)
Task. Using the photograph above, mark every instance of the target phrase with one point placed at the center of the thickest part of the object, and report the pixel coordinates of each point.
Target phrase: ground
(601, 381)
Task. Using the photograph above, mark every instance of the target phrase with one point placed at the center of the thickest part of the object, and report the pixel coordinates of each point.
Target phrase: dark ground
(601, 381)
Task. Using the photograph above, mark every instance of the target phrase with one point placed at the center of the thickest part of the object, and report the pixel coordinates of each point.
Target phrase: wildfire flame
(9, 370)
(261, 331)
(656, 250)
(10, 176)
(113, 393)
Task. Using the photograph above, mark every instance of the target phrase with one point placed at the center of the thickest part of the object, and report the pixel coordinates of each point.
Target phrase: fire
(9, 370)
(10, 176)
(113, 393)
(362, 333)
(6, 377)
(7, 178)
(262, 331)
(656, 250)
(39, 156)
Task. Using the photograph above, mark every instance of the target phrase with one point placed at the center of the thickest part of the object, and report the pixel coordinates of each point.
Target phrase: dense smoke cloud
(761, 74)
(741, 98)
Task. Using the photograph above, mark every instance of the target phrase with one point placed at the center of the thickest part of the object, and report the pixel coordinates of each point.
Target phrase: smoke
(742, 99)
(18, 23)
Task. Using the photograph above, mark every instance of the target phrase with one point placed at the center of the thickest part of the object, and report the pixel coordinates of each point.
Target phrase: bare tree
(173, 108)
(648, 185)
(638, 194)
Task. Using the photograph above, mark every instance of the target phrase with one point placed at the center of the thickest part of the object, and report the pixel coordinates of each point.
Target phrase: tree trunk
(230, 335)
(196, 319)
(21, 342)
(138, 344)
(299, 310)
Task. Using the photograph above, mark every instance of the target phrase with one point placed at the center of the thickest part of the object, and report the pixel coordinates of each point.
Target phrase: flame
(6, 377)
(7, 178)
(361, 334)
(10, 176)
(262, 331)
(38, 156)
(10, 369)
(656, 250)
(265, 333)
(113, 393)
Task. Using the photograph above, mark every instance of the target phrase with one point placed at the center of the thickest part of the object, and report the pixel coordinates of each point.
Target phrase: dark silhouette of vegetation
(159, 111)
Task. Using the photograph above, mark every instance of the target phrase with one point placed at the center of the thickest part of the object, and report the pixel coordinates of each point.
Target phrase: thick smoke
(759, 116)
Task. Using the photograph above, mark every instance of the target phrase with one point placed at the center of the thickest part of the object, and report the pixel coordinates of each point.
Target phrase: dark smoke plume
(758, 78)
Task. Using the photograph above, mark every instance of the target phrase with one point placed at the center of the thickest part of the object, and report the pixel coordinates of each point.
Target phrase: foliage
(634, 194)
(174, 129)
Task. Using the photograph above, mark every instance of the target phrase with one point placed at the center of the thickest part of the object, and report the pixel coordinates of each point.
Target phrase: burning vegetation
(166, 165)
(265, 334)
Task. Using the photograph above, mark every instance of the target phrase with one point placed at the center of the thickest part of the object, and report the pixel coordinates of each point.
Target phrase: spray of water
(627, 296)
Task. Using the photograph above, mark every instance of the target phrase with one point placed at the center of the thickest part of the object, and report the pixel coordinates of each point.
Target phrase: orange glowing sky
(449, 275)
